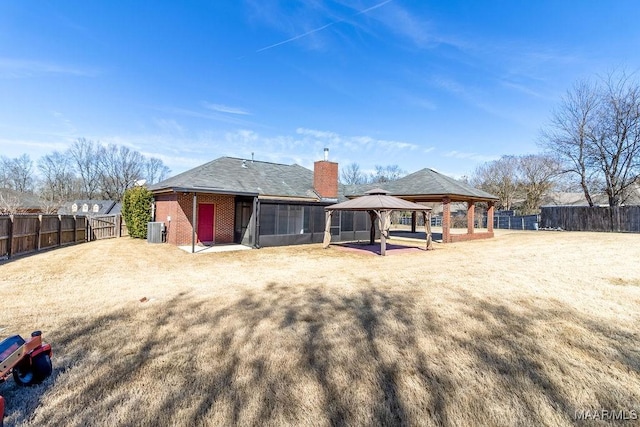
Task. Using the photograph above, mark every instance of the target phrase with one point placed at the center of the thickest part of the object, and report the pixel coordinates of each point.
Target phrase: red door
(205, 222)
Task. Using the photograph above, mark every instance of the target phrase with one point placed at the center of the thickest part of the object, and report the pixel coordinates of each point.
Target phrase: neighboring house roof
(579, 199)
(91, 207)
(18, 200)
(229, 175)
(425, 182)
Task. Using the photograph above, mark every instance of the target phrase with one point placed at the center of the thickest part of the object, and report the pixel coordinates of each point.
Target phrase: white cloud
(471, 156)
(207, 114)
(169, 125)
(318, 134)
(355, 143)
(21, 68)
(220, 108)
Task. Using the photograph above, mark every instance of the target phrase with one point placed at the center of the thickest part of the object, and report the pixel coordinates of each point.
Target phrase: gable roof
(19, 200)
(423, 185)
(230, 175)
(104, 207)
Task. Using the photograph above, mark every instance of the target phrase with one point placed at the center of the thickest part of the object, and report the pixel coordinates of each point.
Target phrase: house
(91, 207)
(254, 203)
(598, 199)
(12, 201)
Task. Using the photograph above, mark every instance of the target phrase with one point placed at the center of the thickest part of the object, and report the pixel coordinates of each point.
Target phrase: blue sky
(441, 84)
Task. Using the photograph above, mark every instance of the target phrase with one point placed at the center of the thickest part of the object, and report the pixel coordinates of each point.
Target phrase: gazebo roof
(425, 185)
(377, 199)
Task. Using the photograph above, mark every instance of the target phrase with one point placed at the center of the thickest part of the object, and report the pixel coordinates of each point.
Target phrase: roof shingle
(424, 182)
(239, 176)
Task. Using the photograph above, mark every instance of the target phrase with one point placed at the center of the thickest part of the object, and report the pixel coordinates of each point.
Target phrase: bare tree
(387, 173)
(568, 134)
(85, 155)
(5, 164)
(154, 170)
(537, 176)
(120, 168)
(616, 138)
(17, 173)
(595, 133)
(9, 203)
(352, 175)
(58, 182)
(499, 177)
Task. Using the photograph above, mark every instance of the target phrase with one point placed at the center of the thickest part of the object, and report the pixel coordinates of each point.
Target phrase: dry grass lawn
(524, 329)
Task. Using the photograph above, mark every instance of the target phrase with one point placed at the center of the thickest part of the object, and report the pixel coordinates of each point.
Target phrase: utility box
(155, 232)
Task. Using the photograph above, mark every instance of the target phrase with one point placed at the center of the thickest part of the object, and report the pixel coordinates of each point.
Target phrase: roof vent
(244, 164)
(252, 157)
(377, 191)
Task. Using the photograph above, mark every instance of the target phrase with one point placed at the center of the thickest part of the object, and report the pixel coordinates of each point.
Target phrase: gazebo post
(471, 213)
(490, 212)
(372, 232)
(414, 220)
(446, 219)
(326, 241)
(383, 238)
(426, 215)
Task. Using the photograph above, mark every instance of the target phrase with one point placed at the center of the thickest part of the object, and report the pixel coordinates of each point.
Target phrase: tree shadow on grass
(321, 355)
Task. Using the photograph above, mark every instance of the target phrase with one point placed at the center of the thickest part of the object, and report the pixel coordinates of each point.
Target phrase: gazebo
(379, 204)
(430, 186)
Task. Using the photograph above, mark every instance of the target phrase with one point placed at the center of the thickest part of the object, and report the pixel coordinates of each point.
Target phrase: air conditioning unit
(155, 232)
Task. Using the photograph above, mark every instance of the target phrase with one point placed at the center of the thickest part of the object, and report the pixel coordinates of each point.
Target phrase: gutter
(208, 190)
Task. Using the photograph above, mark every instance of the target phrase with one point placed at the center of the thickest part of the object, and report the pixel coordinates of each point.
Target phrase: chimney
(325, 177)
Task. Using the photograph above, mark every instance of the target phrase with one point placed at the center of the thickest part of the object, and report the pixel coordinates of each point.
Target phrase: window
(319, 216)
(295, 220)
(306, 226)
(74, 208)
(85, 208)
(268, 219)
(96, 208)
(347, 221)
(282, 219)
(362, 221)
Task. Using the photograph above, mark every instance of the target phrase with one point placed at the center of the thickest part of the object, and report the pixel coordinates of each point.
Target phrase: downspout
(193, 224)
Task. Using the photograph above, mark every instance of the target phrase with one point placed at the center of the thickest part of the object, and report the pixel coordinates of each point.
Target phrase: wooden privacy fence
(23, 234)
(585, 218)
(106, 227)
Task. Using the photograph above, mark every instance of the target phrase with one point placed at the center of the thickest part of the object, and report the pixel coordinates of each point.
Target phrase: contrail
(315, 30)
(298, 36)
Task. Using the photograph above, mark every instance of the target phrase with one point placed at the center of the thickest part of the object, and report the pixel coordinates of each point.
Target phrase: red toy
(29, 361)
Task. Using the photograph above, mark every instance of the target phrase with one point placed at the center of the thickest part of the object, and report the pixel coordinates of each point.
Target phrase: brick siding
(179, 207)
(453, 238)
(325, 179)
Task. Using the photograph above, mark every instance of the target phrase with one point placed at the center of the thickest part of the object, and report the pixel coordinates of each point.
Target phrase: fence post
(10, 245)
(59, 230)
(38, 232)
(522, 221)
